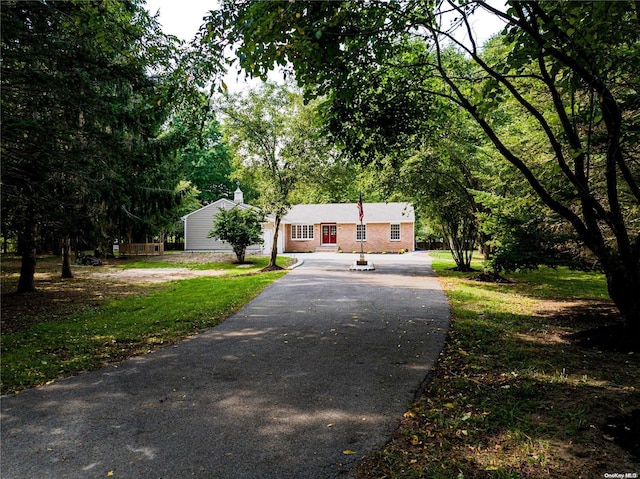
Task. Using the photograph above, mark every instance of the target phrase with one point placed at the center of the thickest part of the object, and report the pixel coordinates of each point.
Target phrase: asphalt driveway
(323, 362)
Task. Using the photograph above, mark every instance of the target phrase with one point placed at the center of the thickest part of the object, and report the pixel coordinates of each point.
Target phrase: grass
(117, 329)
(512, 396)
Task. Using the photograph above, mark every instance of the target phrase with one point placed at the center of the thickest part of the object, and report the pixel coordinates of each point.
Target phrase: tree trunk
(27, 248)
(623, 284)
(483, 246)
(274, 247)
(66, 258)
(461, 236)
(240, 254)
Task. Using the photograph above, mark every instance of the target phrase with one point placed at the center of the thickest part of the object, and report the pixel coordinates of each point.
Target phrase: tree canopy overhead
(569, 69)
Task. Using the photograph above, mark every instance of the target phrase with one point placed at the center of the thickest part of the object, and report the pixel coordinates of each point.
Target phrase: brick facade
(378, 239)
(337, 220)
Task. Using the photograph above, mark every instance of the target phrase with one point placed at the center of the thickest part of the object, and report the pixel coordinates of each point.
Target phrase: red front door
(329, 234)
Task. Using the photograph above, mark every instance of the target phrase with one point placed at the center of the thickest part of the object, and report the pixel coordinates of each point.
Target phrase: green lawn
(512, 395)
(123, 327)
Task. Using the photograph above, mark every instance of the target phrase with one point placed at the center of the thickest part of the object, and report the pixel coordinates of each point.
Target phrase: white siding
(198, 224)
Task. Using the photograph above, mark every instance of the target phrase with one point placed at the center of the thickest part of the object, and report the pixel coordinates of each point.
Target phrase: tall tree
(79, 111)
(205, 161)
(591, 176)
(266, 130)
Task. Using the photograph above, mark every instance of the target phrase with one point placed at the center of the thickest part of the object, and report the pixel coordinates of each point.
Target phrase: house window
(301, 232)
(395, 232)
(361, 232)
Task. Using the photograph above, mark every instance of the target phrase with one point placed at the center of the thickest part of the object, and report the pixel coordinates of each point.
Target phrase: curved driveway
(323, 362)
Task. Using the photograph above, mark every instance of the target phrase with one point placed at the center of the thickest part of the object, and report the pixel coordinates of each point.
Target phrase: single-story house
(386, 227)
(199, 223)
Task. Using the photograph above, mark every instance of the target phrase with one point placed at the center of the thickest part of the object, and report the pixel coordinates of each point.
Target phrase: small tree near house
(238, 227)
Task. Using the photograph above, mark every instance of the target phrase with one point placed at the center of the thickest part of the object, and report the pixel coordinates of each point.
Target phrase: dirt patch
(271, 268)
(91, 286)
(489, 277)
(154, 275)
(195, 258)
(591, 324)
(609, 337)
(624, 430)
(56, 298)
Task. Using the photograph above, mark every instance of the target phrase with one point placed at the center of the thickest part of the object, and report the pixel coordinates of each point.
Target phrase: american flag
(360, 210)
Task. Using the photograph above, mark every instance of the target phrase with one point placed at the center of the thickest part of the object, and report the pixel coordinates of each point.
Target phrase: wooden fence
(132, 249)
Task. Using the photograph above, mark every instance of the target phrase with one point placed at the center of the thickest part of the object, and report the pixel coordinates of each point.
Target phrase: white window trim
(364, 226)
(399, 232)
(310, 232)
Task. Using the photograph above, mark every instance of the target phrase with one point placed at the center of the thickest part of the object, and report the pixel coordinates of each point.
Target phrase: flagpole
(361, 264)
(362, 261)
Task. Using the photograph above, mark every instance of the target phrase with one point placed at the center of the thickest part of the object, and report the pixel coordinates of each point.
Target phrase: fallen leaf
(449, 405)
(348, 452)
(110, 473)
(414, 440)
(330, 425)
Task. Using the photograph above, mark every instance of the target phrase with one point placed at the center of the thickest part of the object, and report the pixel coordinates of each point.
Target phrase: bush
(238, 227)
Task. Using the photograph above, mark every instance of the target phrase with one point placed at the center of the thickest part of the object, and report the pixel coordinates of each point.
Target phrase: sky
(181, 18)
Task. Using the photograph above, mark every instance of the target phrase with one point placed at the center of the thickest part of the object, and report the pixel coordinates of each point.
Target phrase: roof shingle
(348, 213)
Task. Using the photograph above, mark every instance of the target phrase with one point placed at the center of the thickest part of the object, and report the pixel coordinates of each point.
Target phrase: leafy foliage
(205, 161)
(575, 88)
(278, 147)
(524, 236)
(81, 118)
(239, 227)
